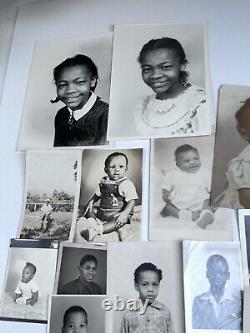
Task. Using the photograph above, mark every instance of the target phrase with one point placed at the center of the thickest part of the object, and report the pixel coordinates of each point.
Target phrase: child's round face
(76, 323)
(161, 71)
(88, 271)
(218, 274)
(73, 86)
(27, 274)
(117, 168)
(188, 161)
(148, 286)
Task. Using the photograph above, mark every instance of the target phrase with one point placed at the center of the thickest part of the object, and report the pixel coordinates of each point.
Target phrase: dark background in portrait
(71, 258)
(228, 142)
(92, 304)
(247, 229)
(93, 171)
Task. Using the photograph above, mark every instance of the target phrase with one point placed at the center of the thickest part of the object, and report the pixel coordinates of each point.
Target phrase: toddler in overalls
(117, 195)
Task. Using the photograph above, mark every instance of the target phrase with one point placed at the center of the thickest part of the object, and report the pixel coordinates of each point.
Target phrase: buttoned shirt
(78, 287)
(207, 313)
(156, 319)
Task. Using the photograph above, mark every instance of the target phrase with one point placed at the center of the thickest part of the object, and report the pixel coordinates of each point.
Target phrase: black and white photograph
(29, 280)
(244, 228)
(150, 292)
(110, 205)
(167, 70)
(51, 195)
(77, 314)
(67, 98)
(246, 310)
(82, 270)
(213, 286)
(181, 171)
(231, 170)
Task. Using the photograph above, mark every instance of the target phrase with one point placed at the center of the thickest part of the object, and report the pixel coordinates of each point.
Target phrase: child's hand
(121, 219)
(196, 214)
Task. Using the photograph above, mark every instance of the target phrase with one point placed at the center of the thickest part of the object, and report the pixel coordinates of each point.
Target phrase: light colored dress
(186, 114)
(238, 176)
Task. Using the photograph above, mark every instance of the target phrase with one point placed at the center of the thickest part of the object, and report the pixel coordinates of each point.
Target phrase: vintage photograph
(76, 314)
(151, 292)
(52, 187)
(82, 270)
(181, 171)
(244, 228)
(167, 70)
(213, 286)
(246, 309)
(231, 170)
(110, 202)
(68, 93)
(29, 280)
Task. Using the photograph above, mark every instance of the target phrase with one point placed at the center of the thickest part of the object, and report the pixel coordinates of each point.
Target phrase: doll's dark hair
(166, 43)
(30, 265)
(75, 308)
(185, 148)
(88, 257)
(147, 266)
(109, 158)
(78, 59)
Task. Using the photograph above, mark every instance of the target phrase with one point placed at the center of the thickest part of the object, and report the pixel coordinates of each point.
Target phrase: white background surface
(229, 51)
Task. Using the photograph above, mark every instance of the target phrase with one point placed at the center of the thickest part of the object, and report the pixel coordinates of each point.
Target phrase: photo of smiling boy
(75, 319)
(156, 318)
(84, 284)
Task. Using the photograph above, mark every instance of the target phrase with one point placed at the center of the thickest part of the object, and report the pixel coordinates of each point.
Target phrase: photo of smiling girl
(167, 94)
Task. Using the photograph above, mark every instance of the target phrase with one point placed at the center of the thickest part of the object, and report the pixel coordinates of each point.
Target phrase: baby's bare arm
(122, 217)
(33, 299)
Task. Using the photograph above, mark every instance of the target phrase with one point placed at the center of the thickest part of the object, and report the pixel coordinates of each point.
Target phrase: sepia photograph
(52, 187)
(231, 170)
(152, 281)
(110, 204)
(76, 314)
(81, 270)
(167, 70)
(244, 229)
(29, 280)
(213, 286)
(67, 98)
(180, 176)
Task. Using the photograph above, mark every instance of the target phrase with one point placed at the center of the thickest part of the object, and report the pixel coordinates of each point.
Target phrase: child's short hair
(75, 308)
(185, 148)
(78, 59)
(88, 257)
(166, 43)
(109, 158)
(245, 107)
(213, 259)
(30, 265)
(147, 266)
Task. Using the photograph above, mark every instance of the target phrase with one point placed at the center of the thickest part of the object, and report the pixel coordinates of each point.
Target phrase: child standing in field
(46, 210)
(186, 188)
(157, 317)
(117, 196)
(83, 121)
(27, 291)
(177, 107)
(237, 194)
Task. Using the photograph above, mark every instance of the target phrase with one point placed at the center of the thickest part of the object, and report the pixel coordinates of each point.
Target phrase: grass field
(59, 228)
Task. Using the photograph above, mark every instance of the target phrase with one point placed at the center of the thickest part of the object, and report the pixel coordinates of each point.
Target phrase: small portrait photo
(246, 310)
(52, 187)
(244, 227)
(213, 286)
(29, 280)
(150, 297)
(82, 270)
(67, 97)
(70, 314)
(110, 202)
(231, 170)
(161, 90)
(181, 171)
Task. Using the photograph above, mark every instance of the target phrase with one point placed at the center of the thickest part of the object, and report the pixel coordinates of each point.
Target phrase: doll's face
(117, 167)
(188, 161)
(73, 86)
(161, 71)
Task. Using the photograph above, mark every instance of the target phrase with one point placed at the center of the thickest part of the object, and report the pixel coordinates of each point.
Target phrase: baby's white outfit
(26, 290)
(187, 190)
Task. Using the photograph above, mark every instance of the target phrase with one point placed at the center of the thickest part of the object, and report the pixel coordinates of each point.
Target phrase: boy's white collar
(77, 114)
